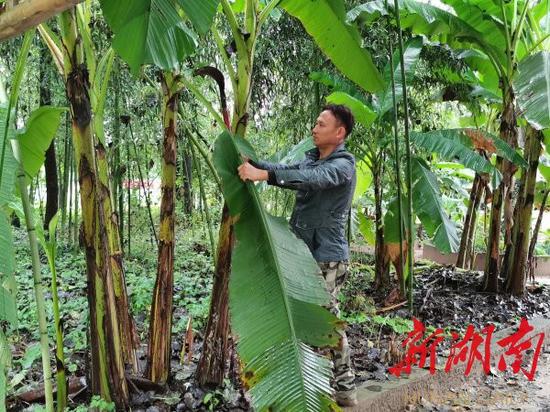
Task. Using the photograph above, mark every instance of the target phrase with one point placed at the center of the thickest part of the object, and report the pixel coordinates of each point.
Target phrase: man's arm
(324, 176)
(272, 166)
(258, 170)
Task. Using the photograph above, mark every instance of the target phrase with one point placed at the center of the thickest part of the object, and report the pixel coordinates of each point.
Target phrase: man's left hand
(249, 172)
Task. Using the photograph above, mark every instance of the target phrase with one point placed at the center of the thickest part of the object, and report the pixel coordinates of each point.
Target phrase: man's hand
(249, 172)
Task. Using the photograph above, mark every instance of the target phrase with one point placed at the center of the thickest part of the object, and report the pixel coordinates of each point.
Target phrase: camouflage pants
(335, 274)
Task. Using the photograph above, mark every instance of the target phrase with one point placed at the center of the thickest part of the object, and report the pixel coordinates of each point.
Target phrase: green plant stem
(410, 234)
(61, 376)
(264, 14)
(38, 288)
(233, 25)
(225, 58)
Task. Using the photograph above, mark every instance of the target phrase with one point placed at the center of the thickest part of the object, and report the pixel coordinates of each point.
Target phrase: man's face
(328, 131)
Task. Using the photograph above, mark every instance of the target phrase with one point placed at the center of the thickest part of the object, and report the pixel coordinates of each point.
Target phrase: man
(324, 184)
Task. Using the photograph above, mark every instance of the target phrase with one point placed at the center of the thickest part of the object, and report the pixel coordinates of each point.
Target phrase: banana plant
(501, 35)
(163, 39)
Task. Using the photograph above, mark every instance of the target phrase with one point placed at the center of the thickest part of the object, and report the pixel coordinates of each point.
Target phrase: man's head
(333, 125)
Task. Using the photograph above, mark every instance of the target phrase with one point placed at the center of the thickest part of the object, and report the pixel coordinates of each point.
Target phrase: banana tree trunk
(212, 367)
(466, 231)
(107, 355)
(467, 239)
(516, 275)
(508, 132)
(160, 332)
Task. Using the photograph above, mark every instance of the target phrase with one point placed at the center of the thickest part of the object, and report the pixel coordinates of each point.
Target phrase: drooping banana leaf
(324, 20)
(460, 144)
(533, 89)
(429, 209)
(35, 139)
(148, 32)
(275, 295)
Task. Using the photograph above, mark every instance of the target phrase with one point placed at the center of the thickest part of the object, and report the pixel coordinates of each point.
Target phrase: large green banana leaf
(35, 139)
(201, 13)
(533, 89)
(276, 294)
(148, 32)
(324, 20)
(427, 206)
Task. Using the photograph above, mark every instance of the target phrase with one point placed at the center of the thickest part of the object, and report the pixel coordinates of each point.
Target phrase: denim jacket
(324, 191)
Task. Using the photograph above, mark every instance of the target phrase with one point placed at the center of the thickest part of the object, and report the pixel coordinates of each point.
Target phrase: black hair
(343, 114)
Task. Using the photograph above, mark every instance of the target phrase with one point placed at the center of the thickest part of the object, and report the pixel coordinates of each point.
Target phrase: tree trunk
(518, 262)
(213, 362)
(107, 342)
(214, 358)
(160, 332)
(534, 237)
(508, 132)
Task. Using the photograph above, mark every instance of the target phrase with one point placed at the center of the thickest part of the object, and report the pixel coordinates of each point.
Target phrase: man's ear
(341, 133)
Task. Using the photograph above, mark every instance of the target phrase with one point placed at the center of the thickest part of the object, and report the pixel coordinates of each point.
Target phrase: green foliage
(36, 137)
(429, 209)
(533, 89)
(324, 21)
(148, 32)
(397, 324)
(362, 113)
(275, 303)
(201, 13)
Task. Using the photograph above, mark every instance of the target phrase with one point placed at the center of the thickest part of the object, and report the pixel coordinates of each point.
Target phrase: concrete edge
(396, 395)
